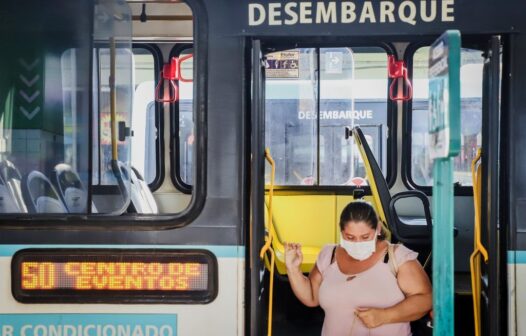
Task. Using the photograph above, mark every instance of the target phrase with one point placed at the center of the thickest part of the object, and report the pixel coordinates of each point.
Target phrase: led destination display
(113, 275)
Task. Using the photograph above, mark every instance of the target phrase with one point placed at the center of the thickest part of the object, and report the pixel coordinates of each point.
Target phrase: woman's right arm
(305, 288)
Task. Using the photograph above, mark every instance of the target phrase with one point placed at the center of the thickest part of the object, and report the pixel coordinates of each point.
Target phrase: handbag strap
(333, 254)
(393, 265)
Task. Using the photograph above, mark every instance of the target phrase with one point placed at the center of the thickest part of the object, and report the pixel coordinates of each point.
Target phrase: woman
(361, 291)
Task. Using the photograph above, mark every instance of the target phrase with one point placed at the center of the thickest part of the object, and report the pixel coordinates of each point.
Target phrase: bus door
(256, 311)
(491, 274)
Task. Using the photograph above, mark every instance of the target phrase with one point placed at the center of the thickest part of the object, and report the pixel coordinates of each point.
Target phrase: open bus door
(256, 268)
(491, 314)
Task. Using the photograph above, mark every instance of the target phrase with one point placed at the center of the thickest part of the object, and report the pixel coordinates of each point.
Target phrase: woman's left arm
(415, 284)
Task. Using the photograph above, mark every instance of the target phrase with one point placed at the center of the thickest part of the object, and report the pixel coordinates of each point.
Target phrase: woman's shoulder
(327, 250)
(328, 247)
(403, 253)
(325, 256)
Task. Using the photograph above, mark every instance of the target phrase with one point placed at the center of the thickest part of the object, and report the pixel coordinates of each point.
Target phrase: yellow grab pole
(268, 240)
(478, 249)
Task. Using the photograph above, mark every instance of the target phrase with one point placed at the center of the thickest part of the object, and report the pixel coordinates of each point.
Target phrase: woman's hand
(371, 317)
(293, 256)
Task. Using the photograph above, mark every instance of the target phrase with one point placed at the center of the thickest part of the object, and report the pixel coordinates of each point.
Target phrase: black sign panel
(114, 276)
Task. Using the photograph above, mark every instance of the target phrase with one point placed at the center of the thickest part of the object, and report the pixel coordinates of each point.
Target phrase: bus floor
(291, 317)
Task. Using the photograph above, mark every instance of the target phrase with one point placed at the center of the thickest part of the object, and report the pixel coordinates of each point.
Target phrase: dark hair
(360, 211)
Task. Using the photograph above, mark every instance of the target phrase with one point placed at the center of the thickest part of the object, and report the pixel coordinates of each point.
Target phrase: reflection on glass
(291, 104)
(352, 86)
(145, 133)
(471, 117)
(45, 97)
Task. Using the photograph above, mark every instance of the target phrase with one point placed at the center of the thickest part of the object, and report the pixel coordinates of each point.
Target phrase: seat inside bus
(142, 200)
(40, 195)
(7, 202)
(412, 231)
(71, 189)
(142, 197)
(12, 200)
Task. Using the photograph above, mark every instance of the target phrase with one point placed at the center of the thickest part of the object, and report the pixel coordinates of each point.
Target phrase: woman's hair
(360, 211)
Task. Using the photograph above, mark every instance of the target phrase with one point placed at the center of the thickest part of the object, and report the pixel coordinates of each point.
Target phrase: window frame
(471, 42)
(175, 159)
(140, 222)
(391, 122)
(159, 115)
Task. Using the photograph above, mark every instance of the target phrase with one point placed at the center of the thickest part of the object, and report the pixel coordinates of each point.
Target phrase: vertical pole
(113, 101)
(444, 130)
(443, 249)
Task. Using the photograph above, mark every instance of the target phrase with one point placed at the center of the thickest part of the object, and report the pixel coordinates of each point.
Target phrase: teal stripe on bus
(517, 257)
(82, 324)
(220, 251)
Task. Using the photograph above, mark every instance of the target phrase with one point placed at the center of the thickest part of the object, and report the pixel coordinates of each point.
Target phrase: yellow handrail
(268, 239)
(478, 249)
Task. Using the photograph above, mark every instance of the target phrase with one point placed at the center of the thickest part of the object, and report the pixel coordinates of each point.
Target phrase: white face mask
(359, 250)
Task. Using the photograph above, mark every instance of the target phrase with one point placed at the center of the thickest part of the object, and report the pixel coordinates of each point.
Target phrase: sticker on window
(283, 64)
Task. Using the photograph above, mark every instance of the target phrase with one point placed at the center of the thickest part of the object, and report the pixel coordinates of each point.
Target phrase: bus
(136, 136)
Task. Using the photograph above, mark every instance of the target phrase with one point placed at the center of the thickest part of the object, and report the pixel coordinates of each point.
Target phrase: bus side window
(183, 123)
(471, 118)
(145, 116)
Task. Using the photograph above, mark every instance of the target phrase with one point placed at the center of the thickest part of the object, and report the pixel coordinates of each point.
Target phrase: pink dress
(340, 296)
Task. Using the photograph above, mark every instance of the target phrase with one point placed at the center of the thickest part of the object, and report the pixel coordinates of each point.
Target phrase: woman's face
(358, 232)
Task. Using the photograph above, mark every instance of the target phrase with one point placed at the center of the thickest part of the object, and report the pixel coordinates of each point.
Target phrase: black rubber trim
(159, 117)
(175, 159)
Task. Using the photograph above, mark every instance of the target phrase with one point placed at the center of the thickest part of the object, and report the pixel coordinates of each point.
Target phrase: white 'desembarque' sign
(348, 12)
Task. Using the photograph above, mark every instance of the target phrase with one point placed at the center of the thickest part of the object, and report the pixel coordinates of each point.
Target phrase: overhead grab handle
(171, 74)
(398, 70)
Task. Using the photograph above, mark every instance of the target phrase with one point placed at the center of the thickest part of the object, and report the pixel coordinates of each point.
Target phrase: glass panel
(45, 97)
(44, 107)
(186, 121)
(353, 91)
(112, 114)
(144, 127)
(291, 104)
(353, 86)
(471, 117)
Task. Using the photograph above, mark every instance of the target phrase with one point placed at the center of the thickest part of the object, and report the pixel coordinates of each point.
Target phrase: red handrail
(171, 73)
(397, 70)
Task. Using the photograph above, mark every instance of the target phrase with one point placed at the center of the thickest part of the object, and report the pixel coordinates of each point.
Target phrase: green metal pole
(444, 131)
(443, 249)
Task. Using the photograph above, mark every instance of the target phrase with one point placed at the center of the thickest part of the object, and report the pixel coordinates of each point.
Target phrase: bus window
(55, 133)
(471, 117)
(144, 116)
(312, 94)
(183, 174)
(105, 171)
